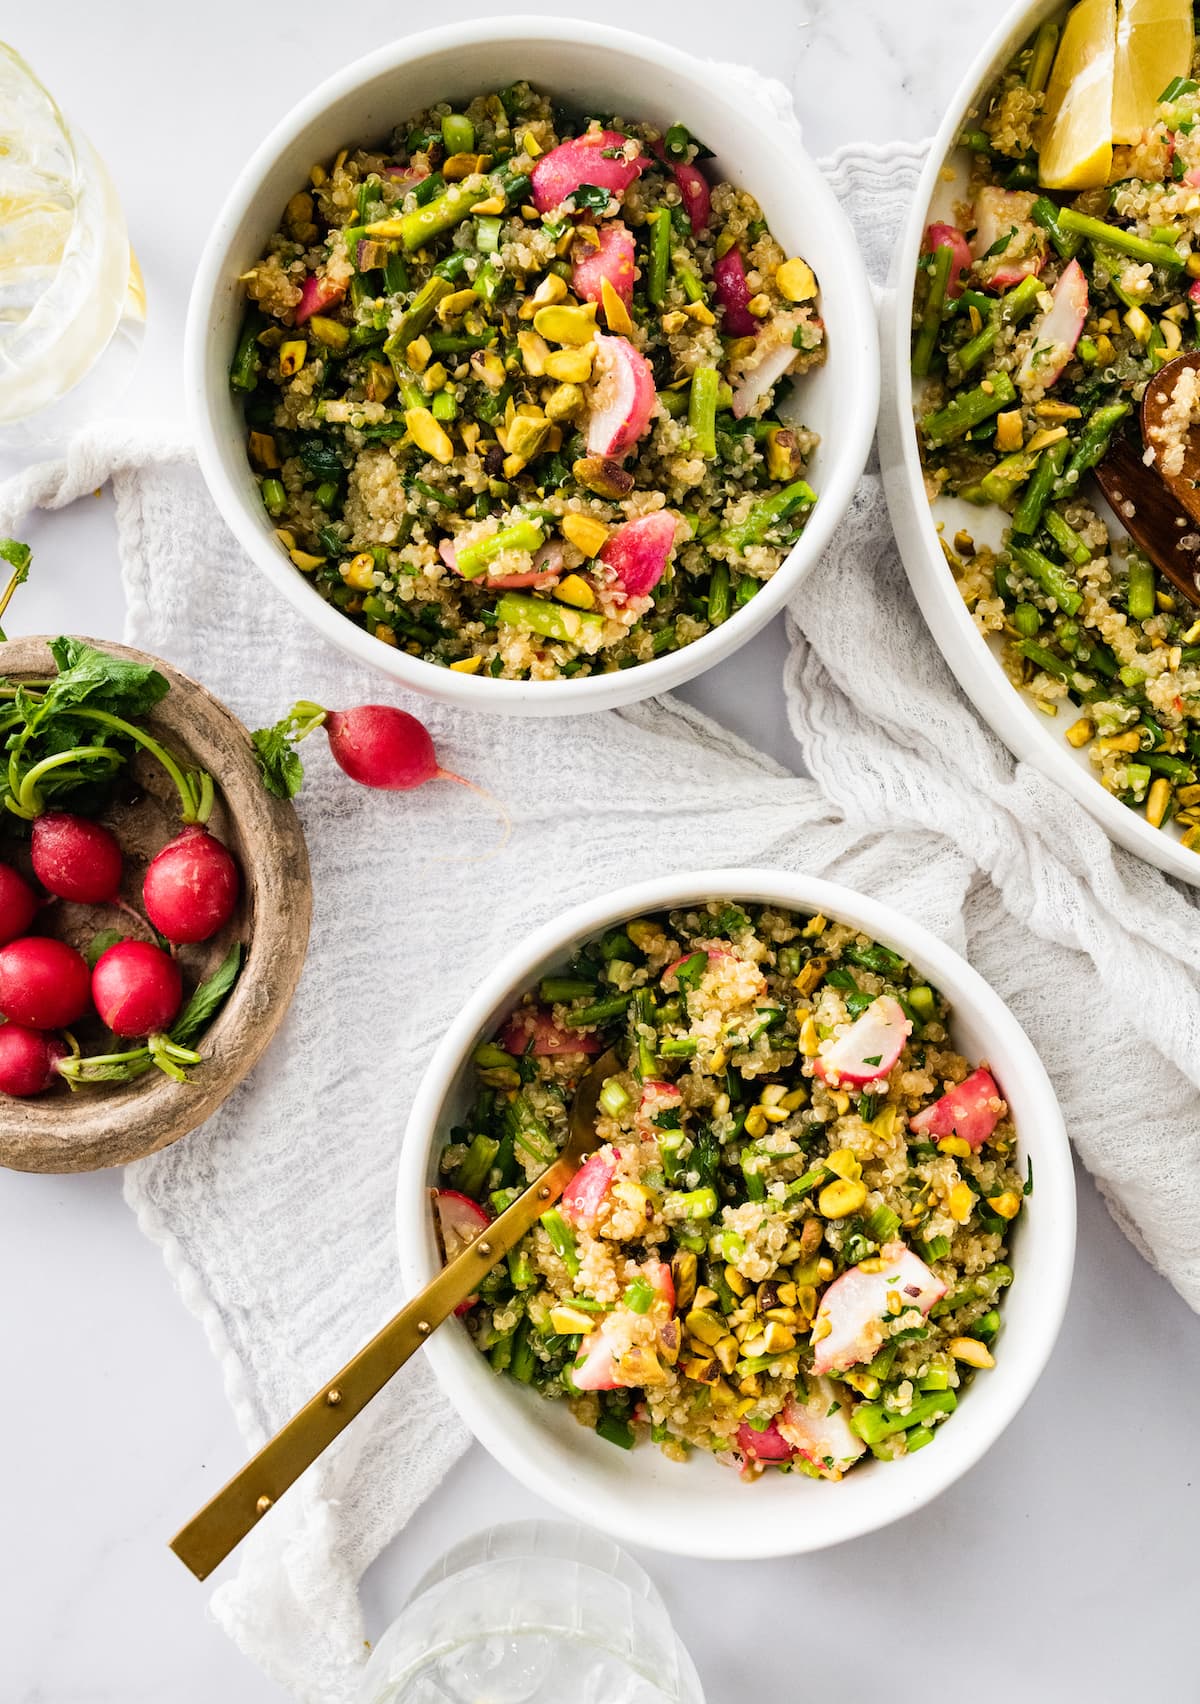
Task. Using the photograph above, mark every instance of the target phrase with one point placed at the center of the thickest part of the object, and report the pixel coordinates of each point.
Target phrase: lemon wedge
(33, 232)
(1075, 142)
(1154, 46)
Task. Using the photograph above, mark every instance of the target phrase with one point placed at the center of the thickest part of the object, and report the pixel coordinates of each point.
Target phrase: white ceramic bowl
(704, 1509)
(595, 68)
(976, 661)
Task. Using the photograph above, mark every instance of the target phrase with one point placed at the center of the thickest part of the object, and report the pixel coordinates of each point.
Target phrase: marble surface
(1061, 1568)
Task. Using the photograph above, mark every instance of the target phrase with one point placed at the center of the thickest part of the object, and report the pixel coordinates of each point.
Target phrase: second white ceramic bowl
(595, 69)
(703, 1508)
(976, 662)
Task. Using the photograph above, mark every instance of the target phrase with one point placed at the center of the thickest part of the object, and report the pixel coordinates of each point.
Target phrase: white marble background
(1062, 1569)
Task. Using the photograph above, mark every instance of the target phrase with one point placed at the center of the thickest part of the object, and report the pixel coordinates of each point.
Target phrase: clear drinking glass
(536, 1612)
(72, 304)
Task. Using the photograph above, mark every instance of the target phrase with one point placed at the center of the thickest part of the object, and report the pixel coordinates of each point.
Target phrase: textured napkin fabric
(276, 1218)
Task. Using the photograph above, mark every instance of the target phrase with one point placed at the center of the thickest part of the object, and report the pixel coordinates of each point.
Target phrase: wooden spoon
(223, 1522)
(1160, 512)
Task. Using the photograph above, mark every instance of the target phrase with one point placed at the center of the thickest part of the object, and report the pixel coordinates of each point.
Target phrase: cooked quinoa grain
(512, 383)
(790, 1245)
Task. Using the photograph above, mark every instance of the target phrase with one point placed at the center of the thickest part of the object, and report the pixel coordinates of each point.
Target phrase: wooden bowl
(108, 1124)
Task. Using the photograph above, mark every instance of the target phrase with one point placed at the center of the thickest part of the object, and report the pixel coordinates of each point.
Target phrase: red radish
(949, 236)
(1194, 295)
(564, 169)
(866, 1052)
(44, 983)
(819, 1430)
(1056, 332)
(710, 953)
(460, 1221)
(999, 212)
(137, 988)
(621, 397)
(584, 1195)
(657, 1097)
(693, 187)
(1192, 177)
(658, 1276)
(768, 1445)
(380, 746)
(637, 553)
(856, 1304)
(972, 1110)
(191, 886)
(612, 260)
(75, 858)
(18, 906)
(595, 1366)
(533, 1024)
(774, 355)
(318, 294)
(733, 293)
(406, 177)
(27, 1060)
(544, 571)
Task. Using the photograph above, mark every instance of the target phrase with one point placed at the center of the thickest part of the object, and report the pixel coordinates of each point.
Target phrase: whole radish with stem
(28, 1060)
(375, 744)
(191, 887)
(75, 858)
(18, 904)
(138, 990)
(44, 984)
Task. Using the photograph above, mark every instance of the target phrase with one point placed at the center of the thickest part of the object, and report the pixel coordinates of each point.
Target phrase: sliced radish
(596, 1364)
(532, 1024)
(406, 177)
(614, 260)
(774, 355)
(658, 1276)
(584, 1195)
(972, 1110)
(657, 1097)
(710, 953)
(819, 1429)
(768, 1445)
(693, 187)
(460, 1221)
(544, 570)
(621, 397)
(318, 294)
(1194, 294)
(949, 236)
(564, 169)
(856, 1304)
(637, 553)
(999, 212)
(1056, 332)
(866, 1052)
(733, 293)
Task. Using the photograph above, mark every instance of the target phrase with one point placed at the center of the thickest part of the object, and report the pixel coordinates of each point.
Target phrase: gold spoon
(223, 1523)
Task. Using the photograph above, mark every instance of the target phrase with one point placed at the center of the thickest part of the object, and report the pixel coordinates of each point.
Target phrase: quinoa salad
(790, 1245)
(1061, 281)
(512, 386)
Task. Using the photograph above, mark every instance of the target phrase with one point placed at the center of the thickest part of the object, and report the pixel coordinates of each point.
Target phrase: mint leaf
(207, 1000)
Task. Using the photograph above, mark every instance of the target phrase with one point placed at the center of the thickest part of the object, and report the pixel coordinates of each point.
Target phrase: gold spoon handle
(222, 1523)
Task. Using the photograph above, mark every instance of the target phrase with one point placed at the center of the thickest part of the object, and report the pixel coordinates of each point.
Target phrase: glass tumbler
(536, 1612)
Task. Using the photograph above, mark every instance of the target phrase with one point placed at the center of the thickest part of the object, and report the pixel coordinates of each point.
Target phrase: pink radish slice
(596, 1367)
(819, 1430)
(733, 293)
(564, 169)
(546, 568)
(614, 260)
(460, 1221)
(531, 1023)
(318, 294)
(406, 177)
(693, 187)
(997, 213)
(869, 1048)
(1194, 294)
(637, 553)
(972, 1110)
(710, 953)
(856, 1304)
(773, 356)
(584, 1195)
(657, 1097)
(621, 397)
(1192, 178)
(768, 1445)
(658, 1276)
(1056, 332)
(949, 236)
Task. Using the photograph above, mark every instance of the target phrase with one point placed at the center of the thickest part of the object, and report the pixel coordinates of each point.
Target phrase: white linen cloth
(276, 1218)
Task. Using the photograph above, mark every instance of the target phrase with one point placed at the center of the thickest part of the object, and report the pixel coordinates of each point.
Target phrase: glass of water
(536, 1612)
(72, 306)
